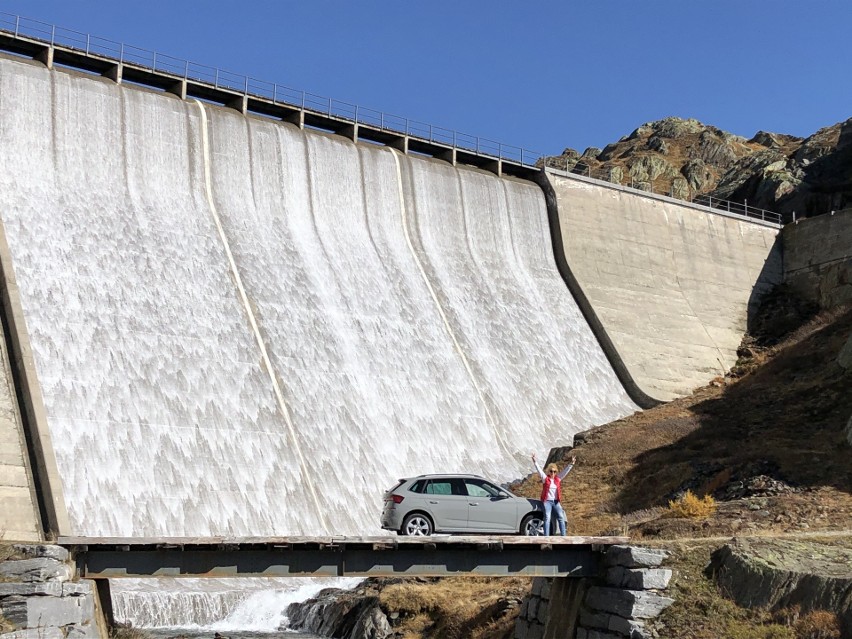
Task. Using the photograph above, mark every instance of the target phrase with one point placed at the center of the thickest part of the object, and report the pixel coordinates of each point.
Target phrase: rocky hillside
(685, 159)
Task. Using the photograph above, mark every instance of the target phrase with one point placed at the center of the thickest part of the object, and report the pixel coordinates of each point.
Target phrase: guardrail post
(121, 54)
(186, 70)
(53, 35)
(18, 25)
(430, 133)
(356, 113)
(245, 84)
(382, 120)
(88, 41)
(303, 100)
(154, 60)
(216, 79)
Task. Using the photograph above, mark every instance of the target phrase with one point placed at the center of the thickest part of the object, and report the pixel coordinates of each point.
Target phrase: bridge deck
(439, 555)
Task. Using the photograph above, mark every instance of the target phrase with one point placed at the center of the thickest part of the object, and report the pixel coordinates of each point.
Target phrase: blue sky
(541, 75)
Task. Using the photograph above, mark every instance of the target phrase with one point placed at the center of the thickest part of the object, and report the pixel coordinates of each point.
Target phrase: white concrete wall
(818, 258)
(670, 283)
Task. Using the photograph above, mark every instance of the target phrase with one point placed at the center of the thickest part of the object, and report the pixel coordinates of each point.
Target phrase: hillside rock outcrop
(685, 158)
(776, 574)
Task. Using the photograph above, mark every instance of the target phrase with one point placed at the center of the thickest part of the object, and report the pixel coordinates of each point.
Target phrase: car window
(480, 488)
(418, 486)
(439, 487)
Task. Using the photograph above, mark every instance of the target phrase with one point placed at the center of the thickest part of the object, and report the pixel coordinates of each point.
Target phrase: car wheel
(416, 525)
(533, 525)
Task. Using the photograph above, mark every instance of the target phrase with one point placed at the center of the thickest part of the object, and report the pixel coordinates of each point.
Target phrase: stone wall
(621, 603)
(671, 283)
(818, 258)
(39, 600)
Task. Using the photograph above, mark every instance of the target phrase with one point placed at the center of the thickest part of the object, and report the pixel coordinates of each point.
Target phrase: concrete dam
(242, 328)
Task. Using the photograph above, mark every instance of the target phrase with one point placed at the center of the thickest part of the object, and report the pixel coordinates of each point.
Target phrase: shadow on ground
(784, 420)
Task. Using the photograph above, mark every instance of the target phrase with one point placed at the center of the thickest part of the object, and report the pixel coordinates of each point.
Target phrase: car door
(446, 500)
(490, 508)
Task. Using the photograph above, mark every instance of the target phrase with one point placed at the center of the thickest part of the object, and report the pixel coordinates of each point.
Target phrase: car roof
(446, 475)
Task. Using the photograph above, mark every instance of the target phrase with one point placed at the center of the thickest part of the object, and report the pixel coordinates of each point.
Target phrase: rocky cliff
(685, 158)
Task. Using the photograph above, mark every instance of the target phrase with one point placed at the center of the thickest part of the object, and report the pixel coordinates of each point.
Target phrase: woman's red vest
(546, 488)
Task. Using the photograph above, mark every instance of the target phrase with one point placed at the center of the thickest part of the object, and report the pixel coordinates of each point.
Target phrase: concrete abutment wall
(818, 258)
(671, 283)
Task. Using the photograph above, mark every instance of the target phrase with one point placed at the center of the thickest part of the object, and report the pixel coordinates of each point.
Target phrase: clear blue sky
(542, 75)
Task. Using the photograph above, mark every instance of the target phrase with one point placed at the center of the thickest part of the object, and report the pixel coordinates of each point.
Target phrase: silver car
(458, 504)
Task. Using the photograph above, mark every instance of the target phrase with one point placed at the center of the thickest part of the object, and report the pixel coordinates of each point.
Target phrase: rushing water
(245, 329)
(203, 607)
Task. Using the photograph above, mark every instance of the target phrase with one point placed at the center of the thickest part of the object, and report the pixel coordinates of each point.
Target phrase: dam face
(241, 328)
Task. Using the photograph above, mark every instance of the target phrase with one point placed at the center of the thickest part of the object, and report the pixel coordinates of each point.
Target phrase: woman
(551, 493)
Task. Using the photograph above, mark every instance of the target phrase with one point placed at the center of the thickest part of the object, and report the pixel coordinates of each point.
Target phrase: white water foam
(215, 605)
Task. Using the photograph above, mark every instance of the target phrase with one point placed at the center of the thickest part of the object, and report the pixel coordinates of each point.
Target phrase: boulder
(680, 188)
(36, 551)
(780, 573)
(630, 604)
(615, 174)
(698, 175)
(30, 570)
(658, 144)
(334, 612)
(614, 623)
(716, 150)
(634, 556)
(673, 127)
(649, 167)
(638, 578)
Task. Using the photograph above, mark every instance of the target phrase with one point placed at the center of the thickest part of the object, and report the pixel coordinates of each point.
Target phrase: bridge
(378, 556)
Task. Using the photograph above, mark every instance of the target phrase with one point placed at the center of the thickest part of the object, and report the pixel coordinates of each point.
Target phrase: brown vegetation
(455, 608)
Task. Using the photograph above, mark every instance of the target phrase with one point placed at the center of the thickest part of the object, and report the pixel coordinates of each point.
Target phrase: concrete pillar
(448, 156)
(350, 131)
(297, 118)
(400, 144)
(114, 73)
(179, 89)
(240, 103)
(45, 56)
(496, 167)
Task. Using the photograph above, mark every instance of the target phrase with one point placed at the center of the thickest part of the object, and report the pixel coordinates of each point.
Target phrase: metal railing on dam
(378, 556)
(100, 55)
(67, 47)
